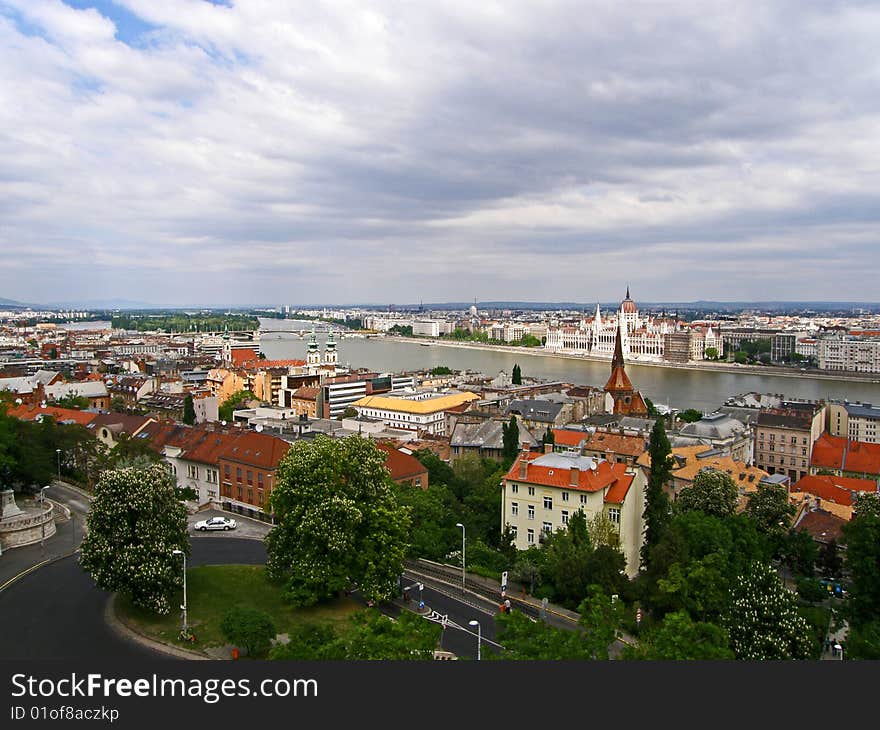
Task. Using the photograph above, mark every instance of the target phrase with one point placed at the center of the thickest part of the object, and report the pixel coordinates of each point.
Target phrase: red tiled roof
(834, 489)
(589, 480)
(402, 466)
(836, 452)
(822, 526)
(565, 437)
(245, 354)
(257, 449)
(30, 413)
(618, 443)
(619, 489)
(306, 393)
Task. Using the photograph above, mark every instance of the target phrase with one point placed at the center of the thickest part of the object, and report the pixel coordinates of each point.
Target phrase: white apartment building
(426, 327)
(849, 352)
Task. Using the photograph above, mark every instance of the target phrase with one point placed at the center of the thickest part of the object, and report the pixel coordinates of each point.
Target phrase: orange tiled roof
(256, 364)
(834, 489)
(837, 452)
(26, 412)
(589, 480)
(245, 354)
(565, 437)
(257, 449)
(618, 443)
(401, 466)
(619, 489)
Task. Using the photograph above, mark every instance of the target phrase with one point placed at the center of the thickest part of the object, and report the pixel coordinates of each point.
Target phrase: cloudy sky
(187, 152)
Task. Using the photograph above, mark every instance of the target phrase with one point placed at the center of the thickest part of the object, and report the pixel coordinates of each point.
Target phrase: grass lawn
(212, 590)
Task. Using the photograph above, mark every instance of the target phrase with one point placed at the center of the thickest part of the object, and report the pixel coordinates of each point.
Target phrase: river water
(700, 389)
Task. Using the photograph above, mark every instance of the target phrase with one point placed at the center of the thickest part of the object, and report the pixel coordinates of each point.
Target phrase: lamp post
(458, 524)
(839, 650)
(479, 636)
(180, 552)
(58, 452)
(42, 518)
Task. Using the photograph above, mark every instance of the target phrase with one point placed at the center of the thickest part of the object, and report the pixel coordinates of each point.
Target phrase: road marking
(23, 573)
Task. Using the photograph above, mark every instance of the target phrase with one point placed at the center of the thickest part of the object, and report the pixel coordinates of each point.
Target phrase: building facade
(784, 438)
(542, 492)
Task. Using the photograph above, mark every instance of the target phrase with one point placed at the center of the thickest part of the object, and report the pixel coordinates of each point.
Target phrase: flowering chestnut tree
(763, 621)
(338, 522)
(135, 523)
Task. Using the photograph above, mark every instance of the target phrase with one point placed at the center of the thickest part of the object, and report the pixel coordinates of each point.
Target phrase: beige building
(423, 412)
(855, 421)
(853, 353)
(688, 461)
(542, 491)
(784, 437)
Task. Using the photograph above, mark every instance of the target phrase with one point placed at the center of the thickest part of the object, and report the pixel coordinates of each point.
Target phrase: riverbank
(705, 366)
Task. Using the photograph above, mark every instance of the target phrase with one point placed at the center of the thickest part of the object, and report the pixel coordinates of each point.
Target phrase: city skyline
(194, 153)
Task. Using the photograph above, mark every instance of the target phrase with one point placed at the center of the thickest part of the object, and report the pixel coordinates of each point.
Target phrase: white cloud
(245, 146)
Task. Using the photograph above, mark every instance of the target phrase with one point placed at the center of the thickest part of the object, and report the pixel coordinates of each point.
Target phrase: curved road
(57, 612)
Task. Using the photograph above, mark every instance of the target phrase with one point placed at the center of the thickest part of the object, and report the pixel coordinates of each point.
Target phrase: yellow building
(542, 491)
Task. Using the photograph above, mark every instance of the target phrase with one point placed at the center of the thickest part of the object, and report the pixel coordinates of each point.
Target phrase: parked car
(216, 523)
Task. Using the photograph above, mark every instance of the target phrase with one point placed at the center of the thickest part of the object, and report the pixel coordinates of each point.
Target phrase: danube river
(678, 388)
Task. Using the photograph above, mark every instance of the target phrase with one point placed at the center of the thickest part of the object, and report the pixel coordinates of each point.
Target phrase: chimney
(548, 448)
(523, 466)
(574, 477)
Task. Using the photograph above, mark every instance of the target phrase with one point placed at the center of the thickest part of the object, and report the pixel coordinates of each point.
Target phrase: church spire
(627, 291)
(617, 361)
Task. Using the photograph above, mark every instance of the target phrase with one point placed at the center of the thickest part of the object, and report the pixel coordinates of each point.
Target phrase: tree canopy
(135, 523)
(712, 492)
(338, 522)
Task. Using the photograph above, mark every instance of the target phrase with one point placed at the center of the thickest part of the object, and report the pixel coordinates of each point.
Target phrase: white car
(216, 523)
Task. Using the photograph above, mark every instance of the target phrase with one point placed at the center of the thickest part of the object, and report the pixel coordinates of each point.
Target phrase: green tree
(799, 552)
(510, 439)
(527, 568)
(524, 639)
(772, 512)
(249, 629)
(440, 370)
(830, 562)
(652, 409)
(432, 533)
(712, 492)
(763, 620)
(863, 641)
(740, 357)
(233, 403)
(117, 404)
(866, 503)
(549, 438)
(712, 353)
(78, 402)
(690, 415)
(338, 522)
(349, 412)
(516, 377)
(862, 538)
(130, 449)
(135, 523)
(680, 638)
(601, 618)
(370, 635)
(657, 509)
(189, 410)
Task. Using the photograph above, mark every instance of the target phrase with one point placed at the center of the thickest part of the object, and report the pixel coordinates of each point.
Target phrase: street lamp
(58, 452)
(42, 518)
(839, 649)
(458, 524)
(479, 636)
(180, 552)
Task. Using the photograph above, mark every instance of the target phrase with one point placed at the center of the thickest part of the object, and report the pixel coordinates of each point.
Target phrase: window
(531, 511)
(583, 499)
(794, 439)
(192, 471)
(531, 491)
(565, 496)
(226, 470)
(614, 515)
(514, 488)
(772, 447)
(565, 517)
(250, 477)
(548, 502)
(513, 531)
(803, 452)
(240, 493)
(530, 536)
(514, 508)
(212, 493)
(772, 436)
(546, 528)
(238, 473)
(250, 495)
(260, 479)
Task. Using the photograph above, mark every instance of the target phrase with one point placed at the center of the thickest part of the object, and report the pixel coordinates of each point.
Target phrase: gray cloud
(438, 151)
